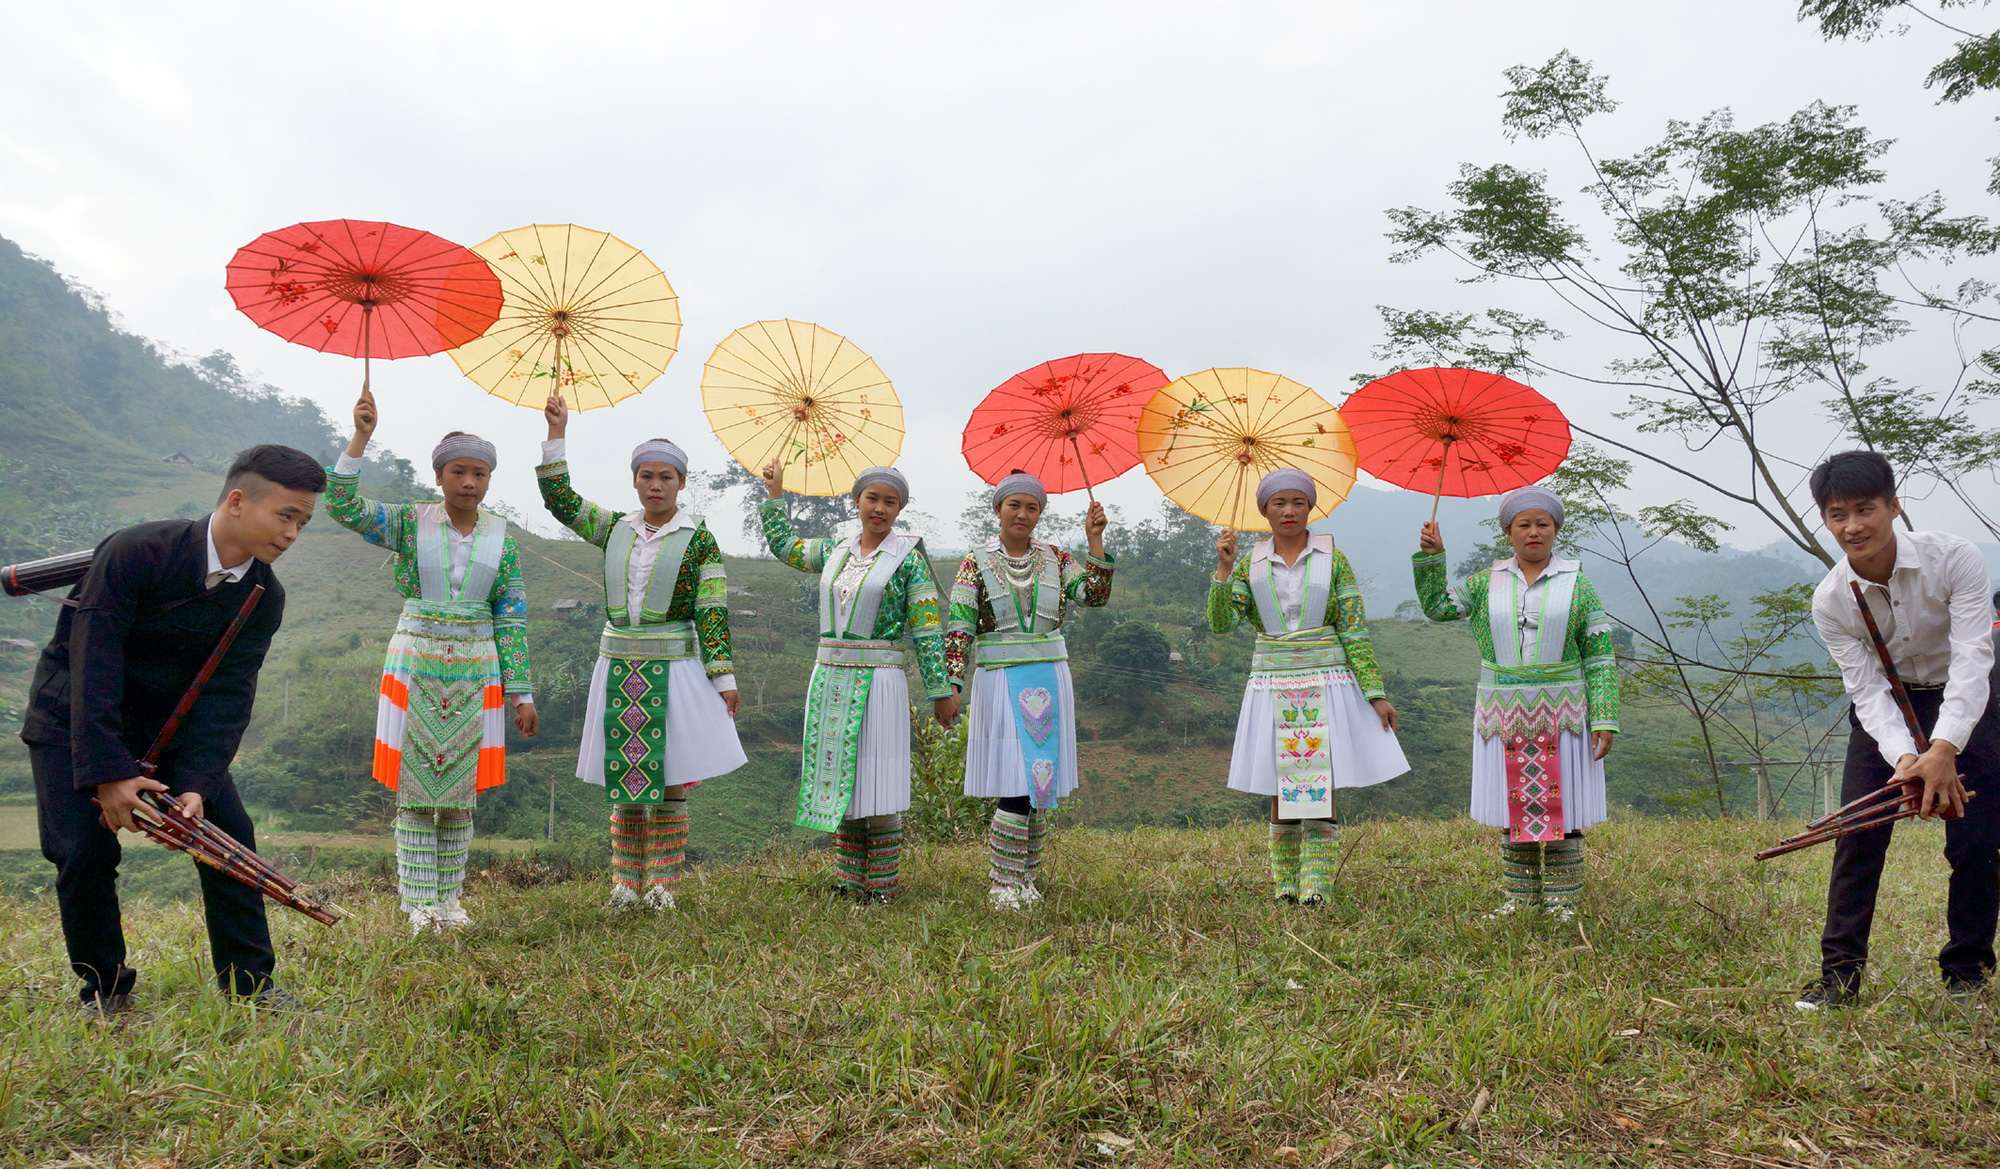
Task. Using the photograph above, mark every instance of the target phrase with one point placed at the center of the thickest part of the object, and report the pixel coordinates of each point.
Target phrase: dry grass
(1153, 1012)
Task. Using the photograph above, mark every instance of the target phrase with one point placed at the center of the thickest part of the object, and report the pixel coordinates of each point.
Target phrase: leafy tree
(1751, 279)
(1130, 665)
(1973, 66)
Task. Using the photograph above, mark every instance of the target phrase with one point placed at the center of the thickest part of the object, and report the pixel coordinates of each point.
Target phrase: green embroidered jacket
(1231, 603)
(1588, 638)
(910, 599)
(701, 591)
(394, 526)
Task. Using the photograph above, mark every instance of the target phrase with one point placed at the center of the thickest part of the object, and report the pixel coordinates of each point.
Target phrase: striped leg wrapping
(850, 845)
(1521, 871)
(1285, 859)
(628, 846)
(666, 843)
(885, 854)
(454, 841)
(1038, 839)
(1009, 842)
(416, 857)
(1318, 854)
(1562, 872)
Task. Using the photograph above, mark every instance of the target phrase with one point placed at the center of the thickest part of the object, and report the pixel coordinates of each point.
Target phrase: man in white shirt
(1928, 594)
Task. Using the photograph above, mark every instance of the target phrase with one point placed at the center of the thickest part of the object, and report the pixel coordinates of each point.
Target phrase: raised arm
(1229, 600)
(590, 520)
(1086, 581)
(806, 555)
(382, 524)
(1434, 591)
(1350, 623)
(924, 623)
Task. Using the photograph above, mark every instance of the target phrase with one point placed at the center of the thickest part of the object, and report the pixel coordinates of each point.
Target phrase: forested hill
(98, 426)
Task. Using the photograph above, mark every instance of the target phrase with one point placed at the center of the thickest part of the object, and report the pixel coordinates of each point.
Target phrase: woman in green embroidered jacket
(1547, 706)
(461, 643)
(1003, 645)
(874, 589)
(1315, 717)
(663, 693)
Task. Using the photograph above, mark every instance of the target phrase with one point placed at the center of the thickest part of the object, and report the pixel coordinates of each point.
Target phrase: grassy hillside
(1153, 1012)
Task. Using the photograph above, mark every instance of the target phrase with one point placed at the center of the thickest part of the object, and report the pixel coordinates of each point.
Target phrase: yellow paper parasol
(1210, 436)
(796, 393)
(585, 311)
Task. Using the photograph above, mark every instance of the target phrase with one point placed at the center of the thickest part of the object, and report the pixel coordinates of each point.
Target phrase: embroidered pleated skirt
(1363, 751)
(1583, 795)
(995, 765)
(856, 754)
(441, 718)
(653, 719)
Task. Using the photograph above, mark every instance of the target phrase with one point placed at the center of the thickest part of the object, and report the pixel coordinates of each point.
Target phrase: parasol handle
(367, 344)
(1081, 469)
(1439, 493)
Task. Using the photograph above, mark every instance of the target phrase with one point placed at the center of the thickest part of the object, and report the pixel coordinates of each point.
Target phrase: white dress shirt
(217, 573)
(1936, 615)
(1288, 581)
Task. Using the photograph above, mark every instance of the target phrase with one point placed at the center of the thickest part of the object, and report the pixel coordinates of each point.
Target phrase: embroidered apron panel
(1529, 696)
(636, 702)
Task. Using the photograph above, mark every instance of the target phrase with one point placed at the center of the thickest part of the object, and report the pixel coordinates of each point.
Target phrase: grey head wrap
(659, 450)
(880, 477)
(1020, 483)
(1286, 479)
(1527, 498)
(463, 446)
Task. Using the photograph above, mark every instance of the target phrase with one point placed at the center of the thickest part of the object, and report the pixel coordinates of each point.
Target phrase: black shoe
(1313, 902)
(271, 998)
(104, 1006)
(1827, 994)
(1964, 992)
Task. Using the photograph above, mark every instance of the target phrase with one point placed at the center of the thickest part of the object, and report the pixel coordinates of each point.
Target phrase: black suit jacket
(141, 629)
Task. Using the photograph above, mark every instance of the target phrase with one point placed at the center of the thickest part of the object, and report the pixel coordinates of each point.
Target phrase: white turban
(659, 450)
(463, 446)
(1527, 498)
(1286, 479)
(1020, 483)
(880, 476)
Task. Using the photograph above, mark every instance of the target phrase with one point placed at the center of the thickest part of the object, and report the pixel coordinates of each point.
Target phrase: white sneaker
(622, 898)
(424, 919)
(451, 915)
(1562, 913)
(1005, 897)
(659, 898)
(1029, 894)
(1508, 908)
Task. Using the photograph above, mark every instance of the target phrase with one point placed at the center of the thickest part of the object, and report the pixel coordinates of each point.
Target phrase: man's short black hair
(269, 463)
(1852, 476)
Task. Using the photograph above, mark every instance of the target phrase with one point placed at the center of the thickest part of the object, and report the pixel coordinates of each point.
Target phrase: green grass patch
(1155, 1011)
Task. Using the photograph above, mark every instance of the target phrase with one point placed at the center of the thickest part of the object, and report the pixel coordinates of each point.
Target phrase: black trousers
(86, 855)
(1972, 899)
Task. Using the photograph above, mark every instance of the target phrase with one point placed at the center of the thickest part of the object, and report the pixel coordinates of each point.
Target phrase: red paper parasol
(1456, 432)
(364, 289)
(1071, 423)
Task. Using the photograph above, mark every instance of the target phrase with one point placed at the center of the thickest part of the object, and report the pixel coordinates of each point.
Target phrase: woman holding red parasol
(1547, 706)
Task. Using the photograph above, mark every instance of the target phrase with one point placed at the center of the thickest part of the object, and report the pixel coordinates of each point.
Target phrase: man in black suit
(132, 636)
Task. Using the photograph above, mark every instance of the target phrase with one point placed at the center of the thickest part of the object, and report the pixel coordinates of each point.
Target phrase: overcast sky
(963, 190)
